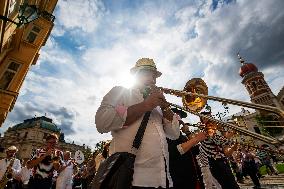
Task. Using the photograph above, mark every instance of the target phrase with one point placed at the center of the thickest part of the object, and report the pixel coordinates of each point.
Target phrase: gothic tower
(258, 89)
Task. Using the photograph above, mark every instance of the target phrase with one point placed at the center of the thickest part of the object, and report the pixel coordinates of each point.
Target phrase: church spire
(241, 59)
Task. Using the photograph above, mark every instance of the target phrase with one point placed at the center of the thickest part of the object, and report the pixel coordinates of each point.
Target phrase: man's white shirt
(64, 179)
(4, 163)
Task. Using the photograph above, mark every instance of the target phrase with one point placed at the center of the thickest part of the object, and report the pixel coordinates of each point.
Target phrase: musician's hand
(200, 136)
(70, 163)
(164, 104)
(229, 134)
(156, 98)
(9, 169)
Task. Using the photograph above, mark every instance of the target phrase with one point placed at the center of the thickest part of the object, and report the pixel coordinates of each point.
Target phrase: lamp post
(27, 14)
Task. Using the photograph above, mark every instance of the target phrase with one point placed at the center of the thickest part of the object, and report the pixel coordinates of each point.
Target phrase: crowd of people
(189, 165)
(170, 156)
(48, 168)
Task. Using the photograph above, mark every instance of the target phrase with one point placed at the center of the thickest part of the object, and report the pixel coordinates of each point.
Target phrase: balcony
(8, 98)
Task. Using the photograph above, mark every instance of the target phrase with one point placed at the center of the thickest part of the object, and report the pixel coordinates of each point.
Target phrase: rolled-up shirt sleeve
(171, 128)
(112, 112)
(180, 149)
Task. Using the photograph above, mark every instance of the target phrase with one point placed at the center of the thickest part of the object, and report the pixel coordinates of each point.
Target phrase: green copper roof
(49, 126)
(45, 123)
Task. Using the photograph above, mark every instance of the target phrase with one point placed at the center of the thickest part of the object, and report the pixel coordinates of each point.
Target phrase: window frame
(12, 71)
(34, 32)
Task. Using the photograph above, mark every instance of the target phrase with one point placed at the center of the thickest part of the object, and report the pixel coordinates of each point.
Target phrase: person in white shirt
(25, 174)
(10, 167)
(121, 113)
(64, 179)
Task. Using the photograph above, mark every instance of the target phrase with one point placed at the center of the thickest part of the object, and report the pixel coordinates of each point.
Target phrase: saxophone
(7, 175)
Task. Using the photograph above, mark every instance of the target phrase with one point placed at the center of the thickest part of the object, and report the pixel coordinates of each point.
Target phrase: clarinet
(6, 177)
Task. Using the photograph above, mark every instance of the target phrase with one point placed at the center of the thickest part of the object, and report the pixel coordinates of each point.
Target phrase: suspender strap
(140, 133)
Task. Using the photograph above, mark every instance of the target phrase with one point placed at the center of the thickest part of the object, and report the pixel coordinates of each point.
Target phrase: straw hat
(12, 148)
(145, 64)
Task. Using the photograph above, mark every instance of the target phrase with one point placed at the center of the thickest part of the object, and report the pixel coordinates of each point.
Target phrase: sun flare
(125, 79)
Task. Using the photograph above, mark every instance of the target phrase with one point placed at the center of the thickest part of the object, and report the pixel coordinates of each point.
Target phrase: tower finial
(241, 59)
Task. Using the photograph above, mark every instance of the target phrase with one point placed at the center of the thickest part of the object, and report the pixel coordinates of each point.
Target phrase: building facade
(257, 87)
(20, 45)
(260, 93)
(31, 134)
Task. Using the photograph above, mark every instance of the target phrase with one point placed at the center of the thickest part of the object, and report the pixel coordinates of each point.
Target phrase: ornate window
(45, 135)
(261, 82)
(248, 88)
(8, 75)
(26, 134)
(31, 37)
(254, 86)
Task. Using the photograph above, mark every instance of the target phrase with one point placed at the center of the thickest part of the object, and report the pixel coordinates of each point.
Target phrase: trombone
(194, 97)
(256, 147)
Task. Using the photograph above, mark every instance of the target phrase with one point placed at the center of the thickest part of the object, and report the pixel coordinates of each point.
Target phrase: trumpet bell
(195, 103)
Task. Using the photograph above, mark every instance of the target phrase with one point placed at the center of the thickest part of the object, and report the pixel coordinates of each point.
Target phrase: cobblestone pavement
(268, 182)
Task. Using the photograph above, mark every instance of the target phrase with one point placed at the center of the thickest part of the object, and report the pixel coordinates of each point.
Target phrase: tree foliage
(100, 146)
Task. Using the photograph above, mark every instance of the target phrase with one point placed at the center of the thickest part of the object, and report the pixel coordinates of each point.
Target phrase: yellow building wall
(16, 47)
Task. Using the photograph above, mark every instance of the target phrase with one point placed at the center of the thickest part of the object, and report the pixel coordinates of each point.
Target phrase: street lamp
(27, 14)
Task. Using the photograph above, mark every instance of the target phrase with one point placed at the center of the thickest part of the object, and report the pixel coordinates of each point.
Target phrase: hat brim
(12, 150)
(136, 69)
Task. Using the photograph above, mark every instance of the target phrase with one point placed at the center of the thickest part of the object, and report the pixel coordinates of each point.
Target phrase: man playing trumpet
(44, 161)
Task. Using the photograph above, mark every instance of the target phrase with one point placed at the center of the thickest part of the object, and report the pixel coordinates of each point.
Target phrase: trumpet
(56, 157)
(194, 98)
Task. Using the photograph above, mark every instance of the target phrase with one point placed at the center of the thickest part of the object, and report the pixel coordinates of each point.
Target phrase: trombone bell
(195, 103)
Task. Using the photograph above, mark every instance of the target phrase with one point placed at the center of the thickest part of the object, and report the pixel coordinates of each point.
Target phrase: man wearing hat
(45, 162)
(10, 168)
(121, 113)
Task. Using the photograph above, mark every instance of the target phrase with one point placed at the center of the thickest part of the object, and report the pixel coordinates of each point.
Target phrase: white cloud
(82, 14)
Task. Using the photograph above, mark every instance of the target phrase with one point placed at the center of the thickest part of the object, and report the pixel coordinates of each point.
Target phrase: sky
(94, 43)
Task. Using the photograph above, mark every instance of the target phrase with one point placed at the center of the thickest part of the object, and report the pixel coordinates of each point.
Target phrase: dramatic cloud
(92, 50)
(61, 116)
